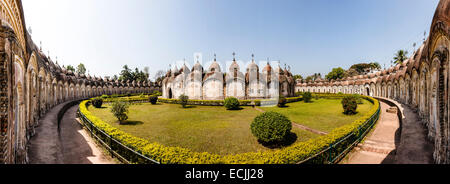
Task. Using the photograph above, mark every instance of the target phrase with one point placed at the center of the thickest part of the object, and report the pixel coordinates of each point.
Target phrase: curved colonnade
(422, 82)
(31, 84)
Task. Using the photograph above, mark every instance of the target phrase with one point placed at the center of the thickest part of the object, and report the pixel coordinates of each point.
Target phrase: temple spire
(253, 58)
(234, 56)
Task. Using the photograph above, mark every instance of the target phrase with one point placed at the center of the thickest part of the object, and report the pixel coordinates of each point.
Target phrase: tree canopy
(136, 75)
(298, 77)
(336, 73)
(313, 77)
(81, 69)
(70, 68)
(362, 68)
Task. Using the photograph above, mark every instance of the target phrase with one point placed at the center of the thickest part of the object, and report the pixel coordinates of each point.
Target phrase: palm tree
(400, 56)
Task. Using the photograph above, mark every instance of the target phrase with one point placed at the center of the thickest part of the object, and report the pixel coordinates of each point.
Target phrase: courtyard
(214, 129)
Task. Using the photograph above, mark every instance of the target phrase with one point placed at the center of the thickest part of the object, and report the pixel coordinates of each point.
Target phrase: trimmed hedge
(311, 149)
(282, 101)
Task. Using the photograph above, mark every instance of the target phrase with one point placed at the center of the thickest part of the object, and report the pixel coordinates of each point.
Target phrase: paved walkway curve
(414, 147)
(391, 144)
(70, 145)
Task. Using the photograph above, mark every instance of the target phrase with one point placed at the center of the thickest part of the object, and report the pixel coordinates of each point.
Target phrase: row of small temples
(31, 84)
(422, 82)
(213, 84)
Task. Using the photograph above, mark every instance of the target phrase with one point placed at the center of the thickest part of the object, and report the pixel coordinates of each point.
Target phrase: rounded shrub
(97, 102)
(349, 103)
(271, 127)
(153, 99)
(104, 96)
(282, 101)
(231, 103)
(183, 100)
(307, 96)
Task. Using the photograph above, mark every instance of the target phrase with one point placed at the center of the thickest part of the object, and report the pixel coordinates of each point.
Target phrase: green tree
(139, 75)
(126, 74)
(336, 73)
(136, 75)
(400, 56)
(120, 110)
(350, 105)
(375, 65)
(70, 68)
(298, 77)
(307, 97)
(183, 100)
(81, 69)
(313, 77)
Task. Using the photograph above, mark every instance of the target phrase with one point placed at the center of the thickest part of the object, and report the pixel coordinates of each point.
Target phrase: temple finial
(234, 56)
(253, 58)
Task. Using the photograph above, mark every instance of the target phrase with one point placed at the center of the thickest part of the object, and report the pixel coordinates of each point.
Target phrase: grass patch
(322, 114)
(198, 128)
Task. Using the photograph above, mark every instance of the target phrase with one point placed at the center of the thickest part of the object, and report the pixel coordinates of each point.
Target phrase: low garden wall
(326, 149)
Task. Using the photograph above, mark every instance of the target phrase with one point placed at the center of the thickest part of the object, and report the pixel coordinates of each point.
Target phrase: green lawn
(323, 114)
(199, 128)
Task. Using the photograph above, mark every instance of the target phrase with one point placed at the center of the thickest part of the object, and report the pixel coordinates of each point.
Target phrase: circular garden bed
(212, 134)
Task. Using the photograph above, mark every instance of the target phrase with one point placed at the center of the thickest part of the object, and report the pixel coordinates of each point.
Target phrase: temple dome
(215, 67)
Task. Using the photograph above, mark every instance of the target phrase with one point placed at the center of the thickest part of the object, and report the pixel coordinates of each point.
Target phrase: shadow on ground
(289, 140)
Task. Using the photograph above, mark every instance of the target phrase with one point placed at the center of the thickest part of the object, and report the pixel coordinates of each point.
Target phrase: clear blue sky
(310, 36)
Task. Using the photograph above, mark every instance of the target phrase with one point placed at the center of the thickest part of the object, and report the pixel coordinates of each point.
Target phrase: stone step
(377, 146)
(380, 142)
